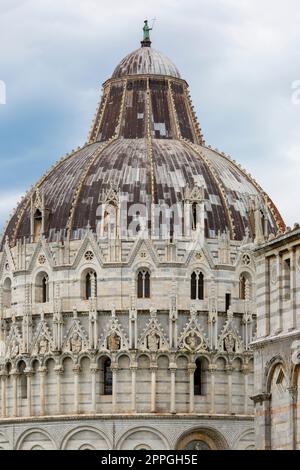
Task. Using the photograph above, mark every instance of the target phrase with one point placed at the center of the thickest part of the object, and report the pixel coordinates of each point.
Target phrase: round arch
(84, 436)
(133, 436)
(39, 437)
(209, 436)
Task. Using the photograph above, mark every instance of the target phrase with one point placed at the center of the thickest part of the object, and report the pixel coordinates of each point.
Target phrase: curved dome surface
(146, 142)
(146, 61)
(79, 182)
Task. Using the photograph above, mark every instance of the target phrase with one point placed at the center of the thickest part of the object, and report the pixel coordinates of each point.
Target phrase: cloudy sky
(240, 57)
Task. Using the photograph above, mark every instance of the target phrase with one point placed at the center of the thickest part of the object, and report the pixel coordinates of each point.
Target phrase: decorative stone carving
(89, 255)
(193, 338)
(229, 343)
(14, 349)
(113, 342)
(153, 337)
(42, 259)
(229, 340)
(246, 259)
(76, 339)
(113, 337)
(195, 194)
(43, 346)
(14, 341)
(43, 341)
(153, 341)
(75, 343)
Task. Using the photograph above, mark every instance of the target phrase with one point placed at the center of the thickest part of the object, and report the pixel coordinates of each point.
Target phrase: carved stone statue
(192, 341)
(75, 343)
(43, 346)
(229, 343)
(114, 342)
(153, 341)
(14, 350)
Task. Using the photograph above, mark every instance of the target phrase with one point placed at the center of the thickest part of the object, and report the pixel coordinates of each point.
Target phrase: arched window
(198, 378)
(245, 287)
(197, 286)
(42, 288)
(143, 284)
(90, 287)
(7, 293)
(38, 220)
(242, 287)
(287, 279)
(194, 216)
(107, 377)
(22, 380)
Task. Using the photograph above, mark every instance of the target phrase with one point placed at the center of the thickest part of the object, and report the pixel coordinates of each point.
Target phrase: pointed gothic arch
(143, 283)
(42, 288)
(197, 285)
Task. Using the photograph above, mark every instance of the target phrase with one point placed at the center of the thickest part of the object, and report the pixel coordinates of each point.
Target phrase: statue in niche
(153, 341)
(114, 342)
(229, 343)
(192, 341)
(14, 349)
(43, 346)
(75, 343)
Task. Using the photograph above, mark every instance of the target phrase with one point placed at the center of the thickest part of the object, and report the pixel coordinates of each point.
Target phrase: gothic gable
(153, 338)
(193, 338)
(113, 338)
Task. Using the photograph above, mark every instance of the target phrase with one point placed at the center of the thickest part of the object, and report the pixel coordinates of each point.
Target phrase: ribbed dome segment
(146, 61)
(147, 143)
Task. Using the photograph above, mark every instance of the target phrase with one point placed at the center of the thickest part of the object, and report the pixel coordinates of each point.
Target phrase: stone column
(246, 371)
(94, 372)
(173, 368)
(294, 287)
(191, 369)
(281, 294)
(293, 391)
(59, 372)
(3, 393)
(42, 373)
(212, 370)
(263, 420)
(29, 372)
(153, 369)
(14, 374)
(114, 368)
(133, 388)
(229, 378)
(76, 371)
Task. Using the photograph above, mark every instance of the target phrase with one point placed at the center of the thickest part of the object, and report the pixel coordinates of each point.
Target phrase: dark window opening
(194, 214)
(197, 286)
(287, 279)
(198, 378)
(227, 302)
(45, 289)
(107, 377)
(143, 285)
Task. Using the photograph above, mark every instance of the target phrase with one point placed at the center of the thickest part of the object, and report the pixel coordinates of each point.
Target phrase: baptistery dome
(146, 61)
(127, 282)
(147, 144)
